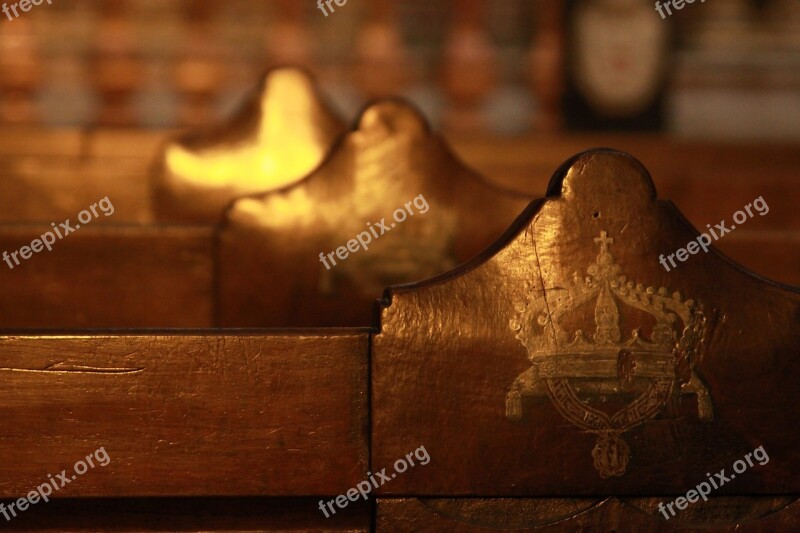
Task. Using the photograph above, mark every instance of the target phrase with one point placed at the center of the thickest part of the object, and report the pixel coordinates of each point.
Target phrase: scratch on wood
(61, 368)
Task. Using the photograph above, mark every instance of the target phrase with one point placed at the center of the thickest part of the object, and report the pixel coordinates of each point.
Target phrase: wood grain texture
(446, 357)
(97, 277)
(186, 415)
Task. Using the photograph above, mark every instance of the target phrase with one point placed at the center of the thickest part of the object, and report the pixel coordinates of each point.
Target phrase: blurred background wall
(718, 69)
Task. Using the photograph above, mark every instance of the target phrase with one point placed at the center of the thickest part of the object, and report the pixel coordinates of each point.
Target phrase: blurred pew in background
(168, 279)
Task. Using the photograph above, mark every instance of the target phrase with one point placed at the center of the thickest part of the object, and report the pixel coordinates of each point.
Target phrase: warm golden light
(277, 139)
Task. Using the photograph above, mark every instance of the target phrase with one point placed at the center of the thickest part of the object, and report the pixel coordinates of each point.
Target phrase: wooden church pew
(169, 265)
(389, 205)
(51, 176)
(527, 423)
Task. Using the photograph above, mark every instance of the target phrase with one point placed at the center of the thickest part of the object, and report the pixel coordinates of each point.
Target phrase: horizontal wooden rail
(228, 414)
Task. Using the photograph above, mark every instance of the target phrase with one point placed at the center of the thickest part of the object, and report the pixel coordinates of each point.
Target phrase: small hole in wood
(595, 214)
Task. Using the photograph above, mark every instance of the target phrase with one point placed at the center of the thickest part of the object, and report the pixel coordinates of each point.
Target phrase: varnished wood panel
(448, 357)
(97, 277)
(186, 415)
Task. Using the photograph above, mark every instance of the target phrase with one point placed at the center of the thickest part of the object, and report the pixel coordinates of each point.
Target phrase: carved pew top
(290, 257)
(565, 360)
(282, 131)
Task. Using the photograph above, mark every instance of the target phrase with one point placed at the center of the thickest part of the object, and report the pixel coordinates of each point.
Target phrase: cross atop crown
(604, 240)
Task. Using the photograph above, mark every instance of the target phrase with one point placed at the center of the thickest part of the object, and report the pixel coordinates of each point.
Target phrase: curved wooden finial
(389, 165)
(281, 133)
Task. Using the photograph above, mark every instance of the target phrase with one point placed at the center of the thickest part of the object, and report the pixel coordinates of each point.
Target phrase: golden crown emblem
(568, 367)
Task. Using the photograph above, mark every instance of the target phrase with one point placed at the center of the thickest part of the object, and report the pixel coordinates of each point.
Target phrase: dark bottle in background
(617, 59)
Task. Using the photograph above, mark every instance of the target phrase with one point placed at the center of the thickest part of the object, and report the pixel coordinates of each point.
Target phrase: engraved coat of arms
(598, 381)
